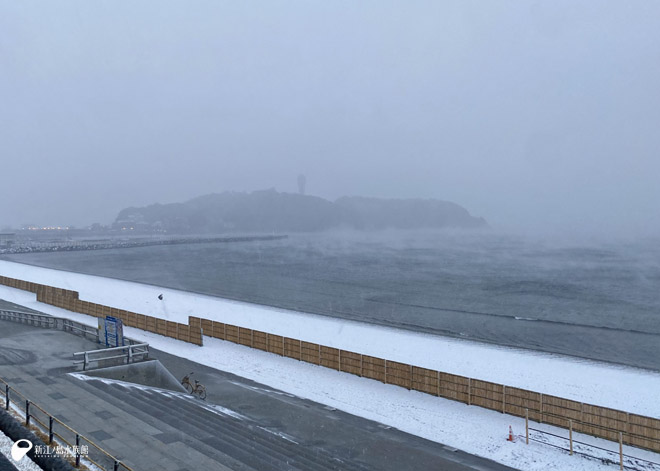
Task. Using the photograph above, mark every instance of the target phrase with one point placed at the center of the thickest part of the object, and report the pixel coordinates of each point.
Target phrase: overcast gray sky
(531, 114)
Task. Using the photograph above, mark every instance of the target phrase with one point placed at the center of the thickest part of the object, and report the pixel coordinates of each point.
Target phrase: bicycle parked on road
(196, 389)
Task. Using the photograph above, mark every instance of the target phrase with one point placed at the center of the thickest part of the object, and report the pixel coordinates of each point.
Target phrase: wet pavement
(242, 425)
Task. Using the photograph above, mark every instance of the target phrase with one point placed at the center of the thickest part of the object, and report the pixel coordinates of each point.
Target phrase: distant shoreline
(77, 246)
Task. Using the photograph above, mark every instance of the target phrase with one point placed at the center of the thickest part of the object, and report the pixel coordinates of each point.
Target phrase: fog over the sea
(538, 116)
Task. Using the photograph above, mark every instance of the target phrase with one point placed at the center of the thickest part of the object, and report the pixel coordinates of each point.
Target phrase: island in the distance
(272, 211)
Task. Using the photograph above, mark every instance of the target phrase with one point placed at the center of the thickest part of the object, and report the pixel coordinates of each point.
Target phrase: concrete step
(152, 421)
(241, 432)
(239, 439)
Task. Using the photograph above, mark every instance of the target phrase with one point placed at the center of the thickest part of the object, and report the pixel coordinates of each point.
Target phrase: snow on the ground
(469, 428)
(25, 464)
(618, 387)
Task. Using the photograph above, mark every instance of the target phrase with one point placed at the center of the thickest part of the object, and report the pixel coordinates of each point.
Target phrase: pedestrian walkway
(242, 426)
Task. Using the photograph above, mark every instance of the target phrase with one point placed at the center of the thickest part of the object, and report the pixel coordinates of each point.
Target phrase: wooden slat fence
(639, 431)
(643, 432)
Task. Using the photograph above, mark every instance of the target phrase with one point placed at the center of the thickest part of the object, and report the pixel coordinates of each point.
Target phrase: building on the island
(7, 239)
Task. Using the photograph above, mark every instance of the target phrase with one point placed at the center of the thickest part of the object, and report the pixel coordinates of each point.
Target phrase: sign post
(102, 330)
(111, 332)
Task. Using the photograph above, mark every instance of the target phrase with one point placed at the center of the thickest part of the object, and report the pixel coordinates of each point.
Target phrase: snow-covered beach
(469, 428)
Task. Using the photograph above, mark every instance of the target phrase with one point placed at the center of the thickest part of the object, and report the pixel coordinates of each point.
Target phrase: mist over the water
(539, 116)
(596, 300)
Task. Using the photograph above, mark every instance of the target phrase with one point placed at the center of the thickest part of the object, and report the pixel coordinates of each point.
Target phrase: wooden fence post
(621, 451)
(570, 435)
(503, 399)
(469, 391)
(541, 409)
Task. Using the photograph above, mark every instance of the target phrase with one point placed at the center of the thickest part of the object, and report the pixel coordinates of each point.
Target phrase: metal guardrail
(576, 447)
(572, 423)
(625, 461)
(47, 423)
(37, 418)
(37, 320)
(128, 352)
(50, 322)
(58, 323)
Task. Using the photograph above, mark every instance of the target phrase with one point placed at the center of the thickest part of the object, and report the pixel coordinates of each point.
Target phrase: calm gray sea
(591, 299)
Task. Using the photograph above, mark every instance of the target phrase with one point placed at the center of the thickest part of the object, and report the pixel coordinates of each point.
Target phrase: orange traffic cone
(510, 439)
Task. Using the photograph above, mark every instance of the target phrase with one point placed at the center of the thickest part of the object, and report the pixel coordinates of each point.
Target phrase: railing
(50, 322)
(128, 353)
(78, 328)
(36, 320)
(55, 430)
(58, 323)
(576, 447)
